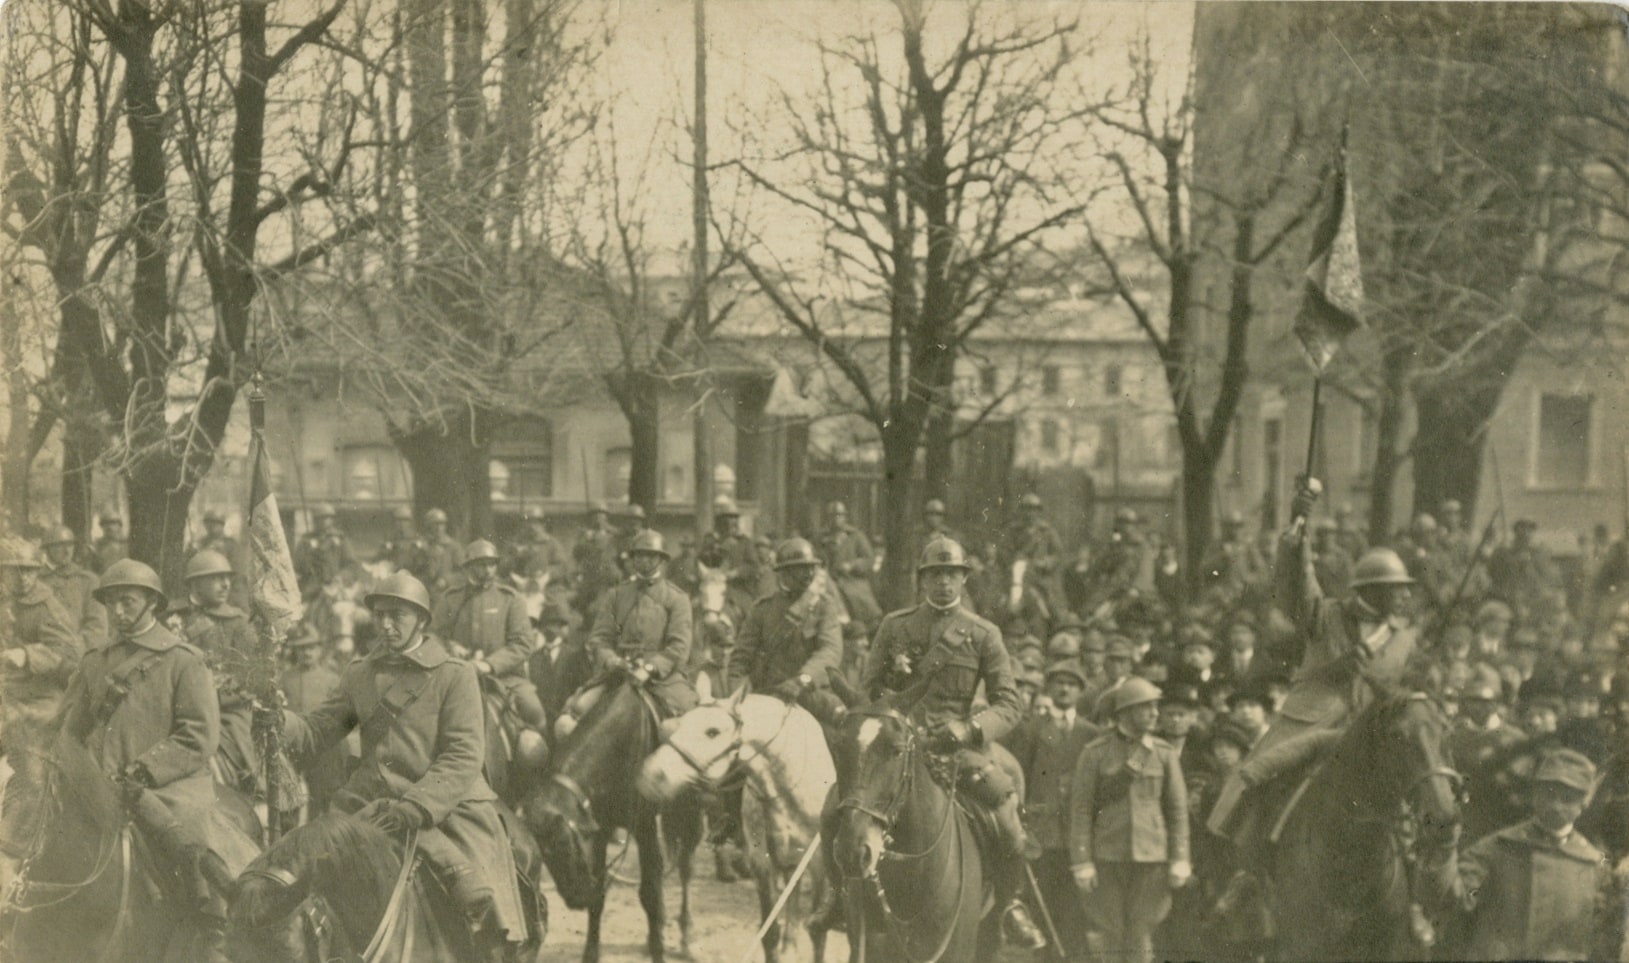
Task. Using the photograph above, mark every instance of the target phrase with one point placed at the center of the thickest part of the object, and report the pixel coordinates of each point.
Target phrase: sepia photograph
(784, 481)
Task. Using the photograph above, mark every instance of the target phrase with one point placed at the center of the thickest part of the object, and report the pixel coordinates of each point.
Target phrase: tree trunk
(939, 459)
(898, 528)
(14, 487)
(81, 444)
(451, 471)
(159, 500)
(1449, 435)
(636, 394)
(1198, 515)
(1389, 453)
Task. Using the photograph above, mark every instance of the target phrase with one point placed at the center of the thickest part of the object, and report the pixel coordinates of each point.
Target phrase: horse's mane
(339, 852)
(74, 781)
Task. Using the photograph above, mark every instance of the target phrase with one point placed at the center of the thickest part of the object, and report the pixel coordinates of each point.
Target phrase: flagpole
(270, 641)
(1317, 419)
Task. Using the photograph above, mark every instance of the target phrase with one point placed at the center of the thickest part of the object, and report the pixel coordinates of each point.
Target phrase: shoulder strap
(393, 701)
(119, 680)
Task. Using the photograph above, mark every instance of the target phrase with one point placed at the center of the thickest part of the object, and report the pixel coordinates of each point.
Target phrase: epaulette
(900, 613)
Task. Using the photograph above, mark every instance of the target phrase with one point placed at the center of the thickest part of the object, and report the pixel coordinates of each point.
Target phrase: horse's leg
(819, 886)
(651, 867)
(684, 839)
(596, 904)
(766, 877)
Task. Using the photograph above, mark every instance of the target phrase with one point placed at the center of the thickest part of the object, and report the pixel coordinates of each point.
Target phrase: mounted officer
(215, 538)
(74, 587)
(1344, 651)
(418, 710)
(791, 640)
(642, 627)
(1032, 539)
(728, 549)
(934, 657)
(222, 632)
(631, 523)
(537, 558)
(485, 621)
(144, 705)
(1117, 569)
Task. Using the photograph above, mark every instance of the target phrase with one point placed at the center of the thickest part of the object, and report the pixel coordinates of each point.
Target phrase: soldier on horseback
(486, 620)
(145, 706)
(1345, 651)
(641, 627)
(933, 657)
(418, 710)
(73, 586)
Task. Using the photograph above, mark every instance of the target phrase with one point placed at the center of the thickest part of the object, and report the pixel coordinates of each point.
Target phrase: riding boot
(1242, 908)
(1018, 847)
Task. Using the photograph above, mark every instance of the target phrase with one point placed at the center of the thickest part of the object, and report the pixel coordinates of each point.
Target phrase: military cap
(1135, 691)
(1032, 678)
(1567, 767)
(1068, 667)
(1119, 647)
(1031, 657)
(1325, 524)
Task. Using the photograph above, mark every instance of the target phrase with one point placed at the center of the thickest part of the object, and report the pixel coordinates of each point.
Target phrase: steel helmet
(401, 586)
(207, 562)
(1030, 500)
(435, 515)
(1135, 691)
(1233, 519)
(402, 513)
(634, 510)
(837, 508)
(480, 550)
(724, 506)
(536, 515)
(794, 552)
(61, 535)
(1126, 516)
(1380, 566)
(649, 541)
(129, 573)
(18, 553)
(933, 507)
(323, 511)
(598, 508)
(942, 552)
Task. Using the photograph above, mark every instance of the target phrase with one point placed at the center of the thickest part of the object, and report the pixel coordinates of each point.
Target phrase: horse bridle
(889, 813)
(733, 748)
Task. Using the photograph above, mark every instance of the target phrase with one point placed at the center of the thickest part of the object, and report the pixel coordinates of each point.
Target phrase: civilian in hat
(1030, 682)
(1538, 890)
(1128, 829)
(1582, 727)
(1179, 717)
(558, 665)
(1540, 713)
(1248, 708)
(1046, 746)
(1197, 661)
(1493, 622)
(1240, 653)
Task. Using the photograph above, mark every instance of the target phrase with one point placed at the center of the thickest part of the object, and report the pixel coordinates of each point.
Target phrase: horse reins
(737, 770)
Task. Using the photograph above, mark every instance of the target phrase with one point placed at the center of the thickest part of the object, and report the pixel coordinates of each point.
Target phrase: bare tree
(935, 179)
(1247, 216)
(188, 205)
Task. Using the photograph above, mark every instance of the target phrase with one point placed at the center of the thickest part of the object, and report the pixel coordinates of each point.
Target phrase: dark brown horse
(1340, 881)
(89, 890)
(588, 793)
(916, 884)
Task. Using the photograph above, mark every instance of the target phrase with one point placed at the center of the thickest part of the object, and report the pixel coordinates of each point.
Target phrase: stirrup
(1019, 929)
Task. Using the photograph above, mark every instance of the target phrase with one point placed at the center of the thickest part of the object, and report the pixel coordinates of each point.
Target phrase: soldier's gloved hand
(17, 658)
(1085, 876)
(395, 816)
(641, 673)
(482, 666)
(954, 734)
(788, 691)
(1181, 873)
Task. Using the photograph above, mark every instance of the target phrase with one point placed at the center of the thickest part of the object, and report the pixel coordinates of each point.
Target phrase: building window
(1112, 377)
(1051, 380)
(525, 447)
(1049, 436)
(372, 472)
(987, 380)
(1107, 456)
(1562, 455)
(618, 470)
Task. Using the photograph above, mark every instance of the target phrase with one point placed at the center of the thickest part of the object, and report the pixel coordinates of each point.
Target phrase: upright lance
(263, 685)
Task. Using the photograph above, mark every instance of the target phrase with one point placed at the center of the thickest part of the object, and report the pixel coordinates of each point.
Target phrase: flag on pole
(274, 589)
(1332, 302)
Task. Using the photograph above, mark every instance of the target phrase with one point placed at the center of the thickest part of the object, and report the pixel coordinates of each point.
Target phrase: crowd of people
(1114, 712)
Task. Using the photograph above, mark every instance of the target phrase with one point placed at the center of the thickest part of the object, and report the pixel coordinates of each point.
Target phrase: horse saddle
(981, 820)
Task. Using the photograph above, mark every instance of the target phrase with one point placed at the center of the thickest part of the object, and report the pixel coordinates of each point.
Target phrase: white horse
(778, 753)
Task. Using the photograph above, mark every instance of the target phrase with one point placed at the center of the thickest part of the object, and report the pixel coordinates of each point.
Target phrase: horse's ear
(738, 696)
